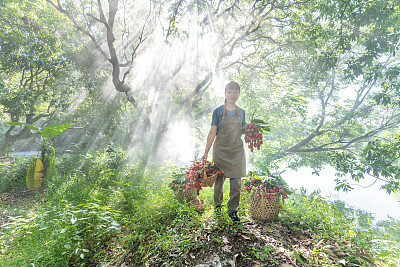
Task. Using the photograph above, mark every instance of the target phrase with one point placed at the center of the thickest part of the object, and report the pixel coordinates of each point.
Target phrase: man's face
(232, 95)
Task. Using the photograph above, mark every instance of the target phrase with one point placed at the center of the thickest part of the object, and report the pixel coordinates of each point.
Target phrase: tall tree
(33, 68)
(117, 39)
(122, 40)
(317, 64)
(341, 54)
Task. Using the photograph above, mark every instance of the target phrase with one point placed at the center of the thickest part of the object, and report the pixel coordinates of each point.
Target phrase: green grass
(101, 209)
(13, 173)
(353, 229)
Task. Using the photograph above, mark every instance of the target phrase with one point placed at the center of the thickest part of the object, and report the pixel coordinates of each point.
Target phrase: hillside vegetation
(102, 211)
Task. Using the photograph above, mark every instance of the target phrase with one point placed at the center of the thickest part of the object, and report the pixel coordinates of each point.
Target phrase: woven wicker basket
(209, 180)
(263, 208)
(188, 195)
(198, 204)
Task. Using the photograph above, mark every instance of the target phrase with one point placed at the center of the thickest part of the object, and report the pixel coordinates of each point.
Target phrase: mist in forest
(162, 72)
(146, 75)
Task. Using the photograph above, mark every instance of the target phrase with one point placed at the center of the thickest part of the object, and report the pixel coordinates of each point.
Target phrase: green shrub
(92, 162)
(95, 175)
(387, 241)
(355, 229)
(13, 175)
(324, 217)
(61, 235)
(85, 209)
(161, 225)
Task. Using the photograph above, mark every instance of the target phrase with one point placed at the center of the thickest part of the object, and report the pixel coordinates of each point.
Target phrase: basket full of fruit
(266, 194)
(203, 174)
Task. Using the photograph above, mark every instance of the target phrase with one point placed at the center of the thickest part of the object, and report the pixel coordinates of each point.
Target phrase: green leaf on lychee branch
(258, 121)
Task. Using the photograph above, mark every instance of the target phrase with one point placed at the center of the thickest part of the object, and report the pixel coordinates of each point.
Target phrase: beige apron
(228, 151)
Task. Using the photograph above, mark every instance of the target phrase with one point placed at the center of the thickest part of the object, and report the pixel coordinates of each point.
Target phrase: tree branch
(79, 28)
(296, 149)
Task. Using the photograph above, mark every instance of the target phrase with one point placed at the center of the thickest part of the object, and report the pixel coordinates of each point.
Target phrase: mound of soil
(251, 243)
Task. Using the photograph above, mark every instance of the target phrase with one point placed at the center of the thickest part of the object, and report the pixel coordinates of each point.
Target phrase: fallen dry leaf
(281, 250)
(234, 260)
(227, 248)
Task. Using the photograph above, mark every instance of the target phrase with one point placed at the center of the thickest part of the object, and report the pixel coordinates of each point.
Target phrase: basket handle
(262, 198)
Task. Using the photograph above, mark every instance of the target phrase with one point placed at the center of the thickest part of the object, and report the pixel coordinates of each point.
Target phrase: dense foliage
(145, 76)
(323, 74)
(37, 78)
(101, 209)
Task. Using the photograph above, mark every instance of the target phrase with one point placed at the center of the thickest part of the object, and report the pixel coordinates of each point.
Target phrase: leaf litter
(250, 243)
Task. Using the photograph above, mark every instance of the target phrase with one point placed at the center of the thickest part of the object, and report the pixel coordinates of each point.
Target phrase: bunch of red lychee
(266, 188)
(196, 173)
(253, 136)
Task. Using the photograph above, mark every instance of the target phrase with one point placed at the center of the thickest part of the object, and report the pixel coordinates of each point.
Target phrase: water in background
(25, 153)
(371, 199)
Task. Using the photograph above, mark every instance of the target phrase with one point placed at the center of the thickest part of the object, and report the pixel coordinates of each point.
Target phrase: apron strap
(223, 113)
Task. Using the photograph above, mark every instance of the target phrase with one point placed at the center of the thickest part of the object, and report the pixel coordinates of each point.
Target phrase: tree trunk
(6, 146)
(9, 140)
